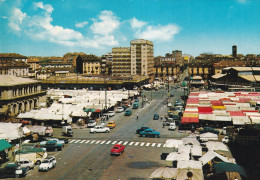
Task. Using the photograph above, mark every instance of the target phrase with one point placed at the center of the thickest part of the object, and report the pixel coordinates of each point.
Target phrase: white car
(119, 109)
(99, 129)
(26, 163)
(110, 113)
(172, 126)
(92, 123)
(47, 164)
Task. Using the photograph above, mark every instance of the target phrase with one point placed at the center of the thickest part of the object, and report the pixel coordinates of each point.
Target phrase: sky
(55, 27)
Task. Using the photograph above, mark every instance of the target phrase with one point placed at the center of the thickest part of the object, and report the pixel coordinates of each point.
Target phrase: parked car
(47, 164)
(110, 113)
(128, 112)
(169, 105)
(117, 149)
(25, 163)
(172, 126)
(226, 139)
(135, 105)
(13, 170)
(119, 109)
(99, 129)
(111, 124)
(92, 123)
(156, 117)
(141, 129)
(136, 100)
(53, 145)
(209, 129)
(149, 133)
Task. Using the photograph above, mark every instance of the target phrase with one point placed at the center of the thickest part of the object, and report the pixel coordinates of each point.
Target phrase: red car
(117, 149)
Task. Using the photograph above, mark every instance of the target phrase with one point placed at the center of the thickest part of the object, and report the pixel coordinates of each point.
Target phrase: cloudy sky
(55, 27)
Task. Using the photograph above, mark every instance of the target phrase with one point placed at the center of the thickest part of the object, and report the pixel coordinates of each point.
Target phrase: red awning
(25, 122)
(205, 109)
(186, 120)
(236, 113)
(98, 110)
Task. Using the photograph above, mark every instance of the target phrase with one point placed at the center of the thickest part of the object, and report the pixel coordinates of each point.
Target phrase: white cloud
(106, 24)
(135, 23)
(47, 7)
(4, 17)
(16, 19)
(81, 24)
(40, 27)
(160, 33)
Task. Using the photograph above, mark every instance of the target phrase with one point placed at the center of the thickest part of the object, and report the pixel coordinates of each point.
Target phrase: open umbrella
(224, 167)
(164, 173)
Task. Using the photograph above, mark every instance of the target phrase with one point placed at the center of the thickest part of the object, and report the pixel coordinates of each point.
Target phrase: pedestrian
(137, 115)
(163, 124)
(161, 118)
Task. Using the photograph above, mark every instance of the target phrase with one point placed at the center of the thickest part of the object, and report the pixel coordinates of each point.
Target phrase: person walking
(137, 115)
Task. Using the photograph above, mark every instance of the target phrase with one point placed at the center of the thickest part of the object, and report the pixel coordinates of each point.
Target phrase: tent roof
(212, 145)
(209, 136)
(229, 167)
(164, 173)
(211, 155)
(190, 164)
(4, 145)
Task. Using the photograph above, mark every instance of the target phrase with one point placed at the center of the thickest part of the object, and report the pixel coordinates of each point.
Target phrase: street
(87, 155)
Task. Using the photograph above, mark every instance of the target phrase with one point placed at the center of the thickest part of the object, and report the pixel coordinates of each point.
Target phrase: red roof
(236, 113)
(205, 109)
(249, 111)
(186, 120)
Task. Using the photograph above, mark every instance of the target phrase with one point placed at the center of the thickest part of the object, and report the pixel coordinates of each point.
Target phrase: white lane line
(72, 141)
(147, 144)
(82, 141)
(136, 143)
(77, 141)
(159, 145)
(97, 142)
(102, 142)
(153, 144)
(142, 144)
(87, 141)
(114, 142)
(130, 144)
(108, 142)
(125, 143)
(92, 141)
(164, 145)
(120, 142)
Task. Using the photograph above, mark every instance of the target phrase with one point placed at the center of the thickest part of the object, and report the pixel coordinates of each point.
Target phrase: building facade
(18, 95)
(106, 64)
(88, 64)
(177, 55)
(142, 58)
(121, 63)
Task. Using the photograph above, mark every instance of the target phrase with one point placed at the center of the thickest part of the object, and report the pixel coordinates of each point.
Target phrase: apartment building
(121, 63)
(106, 63)
(142, 58)
(177, 55)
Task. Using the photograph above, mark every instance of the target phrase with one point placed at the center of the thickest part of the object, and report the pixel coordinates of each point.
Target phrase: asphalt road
(87, 156)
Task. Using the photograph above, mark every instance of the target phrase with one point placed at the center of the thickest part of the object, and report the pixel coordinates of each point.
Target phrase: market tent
(173, 143)
(209, 117)
(190, 164)
(190, 140)
(196, 150)
(37, 129)
(164, 173)
(211, 155)
(224, 167)
(172, 156)
(214, 146)
(4, 145)
(209, 136)
(197, 174)
(9, 131)
(26, 115)
(186, 120)
(184, 148)
(240, 120)
(223, 118)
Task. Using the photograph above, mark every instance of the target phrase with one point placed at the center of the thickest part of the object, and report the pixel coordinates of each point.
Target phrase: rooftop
(8, 80)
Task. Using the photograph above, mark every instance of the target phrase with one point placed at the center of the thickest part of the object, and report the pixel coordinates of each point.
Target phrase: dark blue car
(149, 133)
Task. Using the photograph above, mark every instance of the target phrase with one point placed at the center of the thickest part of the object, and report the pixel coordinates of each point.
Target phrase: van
(128, 112)
(135, 106)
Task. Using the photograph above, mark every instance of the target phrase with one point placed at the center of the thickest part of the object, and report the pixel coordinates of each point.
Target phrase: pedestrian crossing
(107, 142)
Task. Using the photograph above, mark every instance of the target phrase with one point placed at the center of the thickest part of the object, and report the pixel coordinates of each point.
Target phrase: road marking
(92, 141)
(142, 144)
(159, 145)
(164, 145)
(72, 141)
(153, 144)
(102, 142)
(77, 141)
(147, 144)
(82, 141)
(108, 142)
(120, 142)
(114, 142)
(136, 143)
(131, 143)
(97, 142)
(87, 141)
(126, 143)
